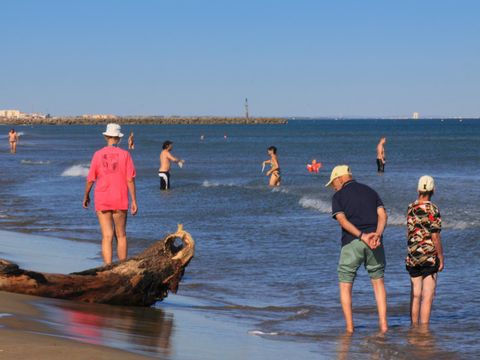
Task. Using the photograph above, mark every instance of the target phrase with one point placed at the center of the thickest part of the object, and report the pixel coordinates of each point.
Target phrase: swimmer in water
(381, 155)
(274, 171)
(131, 141)
(13, 139)
(165, 159)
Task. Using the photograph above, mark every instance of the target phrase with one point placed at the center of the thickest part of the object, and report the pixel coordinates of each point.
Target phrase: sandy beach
(56, 329)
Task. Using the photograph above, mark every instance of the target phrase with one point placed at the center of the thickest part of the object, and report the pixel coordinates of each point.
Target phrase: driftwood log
(140, 280)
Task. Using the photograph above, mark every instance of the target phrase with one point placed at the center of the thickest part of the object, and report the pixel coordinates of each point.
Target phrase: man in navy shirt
(362, 217)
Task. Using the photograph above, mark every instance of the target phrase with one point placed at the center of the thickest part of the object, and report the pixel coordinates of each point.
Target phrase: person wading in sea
(165, 158)
(113, 171)
(274, 171)
(381, 155)
(131, 141)
(13, 139)
(425, 252)
(362, 217)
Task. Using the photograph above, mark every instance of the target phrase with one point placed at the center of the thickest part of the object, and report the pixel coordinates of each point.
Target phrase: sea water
(267, 257)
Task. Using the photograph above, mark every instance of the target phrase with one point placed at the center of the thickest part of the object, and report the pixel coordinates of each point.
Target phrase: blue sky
(203, 57)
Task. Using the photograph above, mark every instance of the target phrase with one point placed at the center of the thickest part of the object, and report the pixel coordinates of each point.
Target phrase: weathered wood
(140, 280)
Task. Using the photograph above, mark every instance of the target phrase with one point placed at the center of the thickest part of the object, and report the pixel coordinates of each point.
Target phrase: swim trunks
(380, 166)
(423, 270)
(164, 180)
(356, 253)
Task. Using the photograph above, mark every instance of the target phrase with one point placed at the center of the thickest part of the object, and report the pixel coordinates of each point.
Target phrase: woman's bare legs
(113, 222)
(415, 299)
(428, 293)
(105, 219)
(423, 292)
(120, 220)
(274, 180)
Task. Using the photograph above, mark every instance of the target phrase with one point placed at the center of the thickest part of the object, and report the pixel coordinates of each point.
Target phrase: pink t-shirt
(111, 168)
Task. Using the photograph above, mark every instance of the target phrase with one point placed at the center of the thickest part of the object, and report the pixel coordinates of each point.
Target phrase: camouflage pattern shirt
(423, 219)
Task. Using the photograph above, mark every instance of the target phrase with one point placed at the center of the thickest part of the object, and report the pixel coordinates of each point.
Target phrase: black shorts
(164, 180)
(423, 270)
(380, 166)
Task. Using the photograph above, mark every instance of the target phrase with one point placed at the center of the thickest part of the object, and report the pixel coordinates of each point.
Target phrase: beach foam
(315, 204)
(33, 162)
(76, 170)
(282, 190)
(261, 333)
(207, 183)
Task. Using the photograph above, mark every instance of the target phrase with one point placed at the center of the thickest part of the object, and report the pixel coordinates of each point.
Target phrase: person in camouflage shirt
(425, 254)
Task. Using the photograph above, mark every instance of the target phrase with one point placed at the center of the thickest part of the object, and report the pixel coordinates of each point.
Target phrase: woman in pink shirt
(114, 173)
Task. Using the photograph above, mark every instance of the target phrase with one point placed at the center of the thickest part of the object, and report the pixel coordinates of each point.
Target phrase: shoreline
(145, 120)
(177, 328)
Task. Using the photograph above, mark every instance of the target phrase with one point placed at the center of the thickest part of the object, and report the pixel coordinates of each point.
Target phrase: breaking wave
(261, 333)
(397, 219)
(76, 170)
(35, 162)
(315, 204)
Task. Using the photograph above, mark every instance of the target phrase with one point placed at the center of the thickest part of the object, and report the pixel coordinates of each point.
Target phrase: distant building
(15, 114)
(415, 116)
(99, 116)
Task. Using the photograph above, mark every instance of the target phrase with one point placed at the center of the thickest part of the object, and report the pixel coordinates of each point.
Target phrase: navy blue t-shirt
(359, 203)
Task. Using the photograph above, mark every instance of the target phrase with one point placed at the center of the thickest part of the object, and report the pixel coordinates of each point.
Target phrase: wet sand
(177, 328)
(24, 337)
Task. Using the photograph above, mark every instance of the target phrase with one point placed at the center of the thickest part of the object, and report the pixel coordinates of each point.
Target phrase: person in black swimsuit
(274, 171)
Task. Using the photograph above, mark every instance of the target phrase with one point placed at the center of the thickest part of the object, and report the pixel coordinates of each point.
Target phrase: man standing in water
(381, 155)
(165, 158)
(13, 139)
(362, 217)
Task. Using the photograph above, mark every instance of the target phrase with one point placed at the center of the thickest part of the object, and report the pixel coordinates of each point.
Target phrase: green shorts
(354, 254)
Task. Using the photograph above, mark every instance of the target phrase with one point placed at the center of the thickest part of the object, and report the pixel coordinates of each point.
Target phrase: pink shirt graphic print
(111, 168)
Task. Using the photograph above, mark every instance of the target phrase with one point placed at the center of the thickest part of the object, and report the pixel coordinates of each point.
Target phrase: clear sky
(203, 57)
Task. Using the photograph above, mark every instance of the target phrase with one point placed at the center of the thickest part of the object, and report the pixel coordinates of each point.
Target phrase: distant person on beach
(362, 217)
(274, 171)
(131, 141)
(381, 155)
(114, 173)
(165, 158)
(425, 253)
(13, 139)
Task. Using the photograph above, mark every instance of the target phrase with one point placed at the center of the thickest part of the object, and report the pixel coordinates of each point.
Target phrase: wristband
(360, 236)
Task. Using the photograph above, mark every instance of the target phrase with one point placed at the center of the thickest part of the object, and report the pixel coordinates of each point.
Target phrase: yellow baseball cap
(338, 171)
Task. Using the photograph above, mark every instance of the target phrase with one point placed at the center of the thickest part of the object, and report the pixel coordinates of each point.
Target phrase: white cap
(113, 130)
(426, 183)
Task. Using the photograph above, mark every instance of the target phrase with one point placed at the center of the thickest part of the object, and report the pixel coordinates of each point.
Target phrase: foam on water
(76, 170)
(214, 183)
(315, 204)
(35, 162)
(261, 333)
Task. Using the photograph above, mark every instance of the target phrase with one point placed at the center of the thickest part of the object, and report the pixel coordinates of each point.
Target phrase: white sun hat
(113, 130)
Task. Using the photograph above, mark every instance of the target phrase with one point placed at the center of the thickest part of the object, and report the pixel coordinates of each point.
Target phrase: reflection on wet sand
(343, 346)
(423, 345)
(142, 330)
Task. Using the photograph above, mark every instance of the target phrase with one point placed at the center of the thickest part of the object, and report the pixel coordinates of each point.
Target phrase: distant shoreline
(145, 120)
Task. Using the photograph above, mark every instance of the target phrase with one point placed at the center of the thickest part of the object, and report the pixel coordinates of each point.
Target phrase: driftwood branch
(140, 280)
